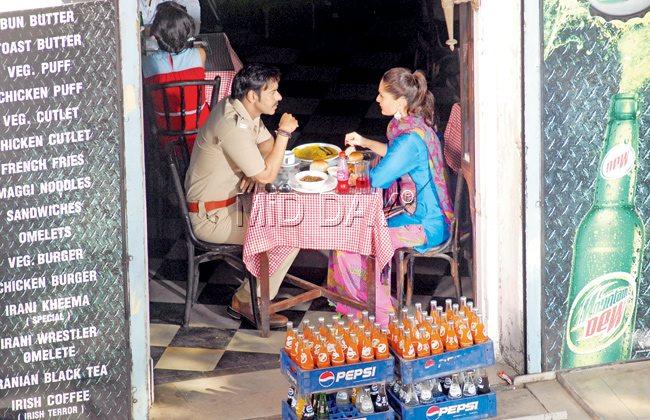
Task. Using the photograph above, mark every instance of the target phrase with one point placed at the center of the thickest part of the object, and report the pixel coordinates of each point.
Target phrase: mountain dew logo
(600, 312)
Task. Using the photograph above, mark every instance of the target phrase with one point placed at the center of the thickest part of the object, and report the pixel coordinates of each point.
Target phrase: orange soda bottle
(295, 346)
(376, 334)
(340, 327)
(337, 356)
(424, 348)
(451, 341)
(419, 316)
(455, 311)
(322, 328)
(322, 356)
(472, 318)
(480, 336)
(305, 329)
(352, 352)
(405, 318)
(463, 305)
(449, 312)
(367, 353)
(408, 352)
(433, 305)
(400, 339)
(381, 350)
(413, 327)
(435, 343)
(463, 332)
(370, 323)
(290, 337)
(305, 359)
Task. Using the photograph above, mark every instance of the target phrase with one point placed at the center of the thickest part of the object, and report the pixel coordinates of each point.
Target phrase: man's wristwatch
(280, 132)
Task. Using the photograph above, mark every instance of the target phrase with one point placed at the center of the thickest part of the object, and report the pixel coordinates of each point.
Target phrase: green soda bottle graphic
(607, 251)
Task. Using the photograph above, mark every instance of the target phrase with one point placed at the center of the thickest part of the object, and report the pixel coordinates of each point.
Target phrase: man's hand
(247, 185)
(355, 139)
(288, 123)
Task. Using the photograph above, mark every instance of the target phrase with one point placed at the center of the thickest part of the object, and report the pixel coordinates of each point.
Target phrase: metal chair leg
(410, 275)
(189, 289)
(399, 279)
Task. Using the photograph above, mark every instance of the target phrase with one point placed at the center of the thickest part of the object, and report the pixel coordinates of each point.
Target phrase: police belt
(193, 207)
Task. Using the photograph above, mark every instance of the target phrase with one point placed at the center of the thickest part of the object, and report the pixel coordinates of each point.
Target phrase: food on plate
(315, 152)
(349, 150)
(319, 165)
(311, 178)
(355, 157)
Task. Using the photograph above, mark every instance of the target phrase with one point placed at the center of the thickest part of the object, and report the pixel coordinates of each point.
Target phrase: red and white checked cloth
(227, 77)
(350, 222)
(454, 139)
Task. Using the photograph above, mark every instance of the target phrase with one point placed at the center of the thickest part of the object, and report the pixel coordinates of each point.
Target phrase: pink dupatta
(404, 189)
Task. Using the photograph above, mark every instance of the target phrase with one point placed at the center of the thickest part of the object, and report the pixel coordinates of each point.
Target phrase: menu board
(64, 346)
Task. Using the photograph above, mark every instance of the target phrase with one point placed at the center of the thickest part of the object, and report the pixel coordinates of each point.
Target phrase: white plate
(329, 185)
(338, 150)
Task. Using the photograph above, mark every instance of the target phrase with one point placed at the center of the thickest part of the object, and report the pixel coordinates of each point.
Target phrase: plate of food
(316, 151)
(312, 182)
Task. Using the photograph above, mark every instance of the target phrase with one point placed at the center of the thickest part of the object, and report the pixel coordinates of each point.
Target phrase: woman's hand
(355, 139)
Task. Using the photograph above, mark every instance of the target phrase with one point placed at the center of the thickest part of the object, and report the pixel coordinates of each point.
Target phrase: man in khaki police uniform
(233, 150)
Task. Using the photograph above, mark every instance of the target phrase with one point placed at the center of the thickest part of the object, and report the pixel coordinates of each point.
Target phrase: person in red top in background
(175, 61)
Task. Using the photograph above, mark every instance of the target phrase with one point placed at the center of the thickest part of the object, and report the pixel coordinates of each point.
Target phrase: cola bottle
(482, 383)
(374, 391)
(308, 412)
(469, 387)
(291, 397)
(446, 384)
(455, 391)
(381, 403)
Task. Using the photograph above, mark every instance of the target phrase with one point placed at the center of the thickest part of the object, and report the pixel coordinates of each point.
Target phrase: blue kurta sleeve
(399, 160)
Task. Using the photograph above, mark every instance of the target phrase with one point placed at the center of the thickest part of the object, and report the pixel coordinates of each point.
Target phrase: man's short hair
(253, 77)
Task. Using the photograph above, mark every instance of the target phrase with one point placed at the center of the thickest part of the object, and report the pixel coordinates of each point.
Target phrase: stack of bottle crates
(337, 370)
(440, 362)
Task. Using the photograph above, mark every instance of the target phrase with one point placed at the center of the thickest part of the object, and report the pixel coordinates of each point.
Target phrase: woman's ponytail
(424, 102)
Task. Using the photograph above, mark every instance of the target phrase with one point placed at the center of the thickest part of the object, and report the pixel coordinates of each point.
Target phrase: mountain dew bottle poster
(596, 168)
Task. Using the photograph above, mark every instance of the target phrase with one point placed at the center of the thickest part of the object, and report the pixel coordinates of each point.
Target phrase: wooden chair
(199, 251)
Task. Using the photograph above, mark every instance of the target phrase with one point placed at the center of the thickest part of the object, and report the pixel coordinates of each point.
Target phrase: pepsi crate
(336, 413)
(416, 370)
(477, 407)
(334, 378)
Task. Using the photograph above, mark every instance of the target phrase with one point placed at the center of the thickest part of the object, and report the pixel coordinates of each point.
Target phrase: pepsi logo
(326, 379)
(429, 363)
(433, 412)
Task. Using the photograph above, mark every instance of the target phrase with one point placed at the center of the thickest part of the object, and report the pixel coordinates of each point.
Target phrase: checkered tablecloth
(351, 222)
(222, 60)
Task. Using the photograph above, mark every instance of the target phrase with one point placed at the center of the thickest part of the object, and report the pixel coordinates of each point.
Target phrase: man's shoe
(237, 309)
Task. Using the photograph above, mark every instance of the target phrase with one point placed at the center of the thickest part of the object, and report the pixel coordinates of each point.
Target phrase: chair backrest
(178, 158)
(453, 147)
(175, 108)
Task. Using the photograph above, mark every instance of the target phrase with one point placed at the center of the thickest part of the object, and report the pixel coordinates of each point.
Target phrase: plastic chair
(199, 251)
(448, 251)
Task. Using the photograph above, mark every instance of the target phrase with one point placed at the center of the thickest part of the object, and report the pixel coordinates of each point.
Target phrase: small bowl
(332, 171)
(311, 185)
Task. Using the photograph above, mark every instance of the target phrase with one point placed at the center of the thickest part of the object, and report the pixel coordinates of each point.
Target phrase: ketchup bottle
(342, 175)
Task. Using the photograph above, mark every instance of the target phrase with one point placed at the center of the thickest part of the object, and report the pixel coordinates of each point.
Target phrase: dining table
(280, 222)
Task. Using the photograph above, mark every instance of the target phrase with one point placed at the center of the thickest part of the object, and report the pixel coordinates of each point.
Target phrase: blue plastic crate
(478, 407)
(444, 364)
(337, 413)
(334, 378)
